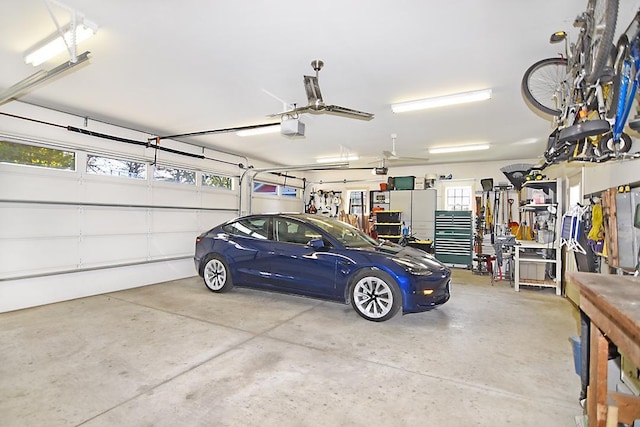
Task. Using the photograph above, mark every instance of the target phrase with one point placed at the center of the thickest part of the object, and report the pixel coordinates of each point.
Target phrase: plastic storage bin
(404, 182)
(388, 216)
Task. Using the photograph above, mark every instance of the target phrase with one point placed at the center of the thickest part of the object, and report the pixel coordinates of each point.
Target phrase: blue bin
(575, 341)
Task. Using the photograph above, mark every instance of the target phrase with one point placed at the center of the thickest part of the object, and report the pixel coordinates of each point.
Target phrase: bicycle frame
(630, 57)
(578, 94)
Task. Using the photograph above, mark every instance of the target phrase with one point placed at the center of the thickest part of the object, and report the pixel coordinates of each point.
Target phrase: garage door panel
(209, 219)
(107, 221)
(28, 183)
(175, 195)
(219, 199)
(25, 257)
(167, 245)
(116, 190)
(109, 250)
(169, 220)
(31, 220)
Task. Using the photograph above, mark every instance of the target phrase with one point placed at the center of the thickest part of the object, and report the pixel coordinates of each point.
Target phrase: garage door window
(32, 155)
(116, 167)
(218, 181)
(289, 191)
(262, 188)
(180, 176)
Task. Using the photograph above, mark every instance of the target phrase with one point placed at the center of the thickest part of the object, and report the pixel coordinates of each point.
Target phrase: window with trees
(116, 167)
(168, 174)
(33, 155)
(219, 181)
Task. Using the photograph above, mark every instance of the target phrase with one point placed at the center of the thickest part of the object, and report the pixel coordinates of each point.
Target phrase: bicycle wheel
(603, 15)
(542, 84)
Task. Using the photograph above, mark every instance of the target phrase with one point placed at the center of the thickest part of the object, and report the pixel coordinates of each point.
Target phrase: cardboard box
(532, 271)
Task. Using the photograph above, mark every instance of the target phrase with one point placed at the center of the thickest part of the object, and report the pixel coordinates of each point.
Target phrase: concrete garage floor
(176, 354)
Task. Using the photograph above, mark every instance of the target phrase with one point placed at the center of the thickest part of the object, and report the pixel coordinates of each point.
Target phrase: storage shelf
(533, 282)
(537, 259)
(537, 206)
(531, 244)
(536, 267)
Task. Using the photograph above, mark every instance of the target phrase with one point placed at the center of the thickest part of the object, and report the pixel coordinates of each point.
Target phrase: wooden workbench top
(617, 299)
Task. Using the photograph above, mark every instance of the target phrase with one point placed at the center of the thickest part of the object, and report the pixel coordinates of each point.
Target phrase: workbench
(612, 304)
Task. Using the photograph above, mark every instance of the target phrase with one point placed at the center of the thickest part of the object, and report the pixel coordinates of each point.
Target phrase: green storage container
(404, 182)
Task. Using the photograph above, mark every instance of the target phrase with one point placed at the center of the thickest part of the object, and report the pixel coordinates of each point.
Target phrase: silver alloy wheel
(373, 297)
(215, 274)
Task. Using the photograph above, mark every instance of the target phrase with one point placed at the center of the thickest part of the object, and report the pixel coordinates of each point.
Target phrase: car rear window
(258, 228)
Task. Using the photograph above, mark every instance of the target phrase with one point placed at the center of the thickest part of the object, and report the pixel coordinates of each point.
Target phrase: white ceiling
(169, 67)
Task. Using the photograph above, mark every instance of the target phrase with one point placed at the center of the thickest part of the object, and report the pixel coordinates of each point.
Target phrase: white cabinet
(539, 262)
(423, 214)
(419, 210)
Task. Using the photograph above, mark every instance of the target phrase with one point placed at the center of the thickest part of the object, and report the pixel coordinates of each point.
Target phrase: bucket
(383, 186)
(575, 341)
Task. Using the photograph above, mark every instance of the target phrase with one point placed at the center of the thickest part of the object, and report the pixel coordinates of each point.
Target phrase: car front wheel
(216, 275)
(375, 296)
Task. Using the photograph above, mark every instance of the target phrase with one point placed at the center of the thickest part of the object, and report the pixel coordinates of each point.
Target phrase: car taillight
(198, 239)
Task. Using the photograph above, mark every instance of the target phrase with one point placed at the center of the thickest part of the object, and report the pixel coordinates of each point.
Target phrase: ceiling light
(26, 85)
(348, 158)
(527, 141)
(259, 131)
(54, 44)
(458, 149)
(442, 101)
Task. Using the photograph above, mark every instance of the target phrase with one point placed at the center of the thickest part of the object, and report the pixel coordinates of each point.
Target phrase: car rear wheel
(375, 296)
(216, 275)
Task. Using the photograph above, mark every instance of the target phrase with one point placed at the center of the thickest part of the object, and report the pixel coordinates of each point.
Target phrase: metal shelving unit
(539, 263)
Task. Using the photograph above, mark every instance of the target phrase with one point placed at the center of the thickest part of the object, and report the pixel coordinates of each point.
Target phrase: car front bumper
(427, 295)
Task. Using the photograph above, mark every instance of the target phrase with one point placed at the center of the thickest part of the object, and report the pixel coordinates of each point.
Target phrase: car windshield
(345, 233)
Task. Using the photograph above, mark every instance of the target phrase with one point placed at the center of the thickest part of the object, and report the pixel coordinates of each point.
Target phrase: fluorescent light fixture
(55, 45)
(458, 148)
(259, 131)
(349, 158)
(527, 141)
(26, 85)
(442, 101)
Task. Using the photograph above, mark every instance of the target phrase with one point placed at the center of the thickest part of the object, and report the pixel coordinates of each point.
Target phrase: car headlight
(413, 267)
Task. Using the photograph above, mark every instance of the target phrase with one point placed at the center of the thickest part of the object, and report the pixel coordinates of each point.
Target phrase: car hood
(396, 251)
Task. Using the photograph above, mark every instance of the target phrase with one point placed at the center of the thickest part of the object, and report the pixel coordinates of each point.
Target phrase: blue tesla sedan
(320, 257)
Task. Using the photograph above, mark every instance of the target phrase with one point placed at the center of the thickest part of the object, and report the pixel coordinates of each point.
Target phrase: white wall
(462, 174)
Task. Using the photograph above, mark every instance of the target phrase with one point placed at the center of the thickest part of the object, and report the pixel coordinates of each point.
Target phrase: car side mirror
(316, 243)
